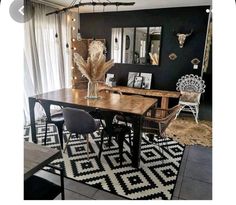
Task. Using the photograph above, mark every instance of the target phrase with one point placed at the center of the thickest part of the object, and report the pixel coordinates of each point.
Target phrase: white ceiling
(139, 4)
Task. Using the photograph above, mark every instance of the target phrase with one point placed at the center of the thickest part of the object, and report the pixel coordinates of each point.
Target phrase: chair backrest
(191, 83)
(78, 121)
(164, 122)
(160, 124)
(47, 107)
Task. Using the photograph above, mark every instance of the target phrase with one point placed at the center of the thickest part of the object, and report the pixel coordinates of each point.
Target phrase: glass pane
(116, 44)
(140, 45)
(128, 45)
(154, 45)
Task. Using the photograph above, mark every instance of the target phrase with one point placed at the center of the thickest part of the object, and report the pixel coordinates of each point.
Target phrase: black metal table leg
(32, 102)
(137, 123)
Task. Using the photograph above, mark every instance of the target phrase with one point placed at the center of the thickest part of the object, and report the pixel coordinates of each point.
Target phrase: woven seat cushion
(37, 188)
(189, 96)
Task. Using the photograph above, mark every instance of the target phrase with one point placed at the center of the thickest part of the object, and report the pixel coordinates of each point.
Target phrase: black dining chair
(54, 118)
(79, 122)
(119, 131)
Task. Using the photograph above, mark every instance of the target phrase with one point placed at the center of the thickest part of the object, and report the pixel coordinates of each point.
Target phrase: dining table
(131, 105)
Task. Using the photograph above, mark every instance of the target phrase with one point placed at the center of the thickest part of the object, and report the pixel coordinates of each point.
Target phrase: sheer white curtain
(47, 60)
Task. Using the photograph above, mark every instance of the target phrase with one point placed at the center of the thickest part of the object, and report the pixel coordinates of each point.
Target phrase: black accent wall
(165, 76)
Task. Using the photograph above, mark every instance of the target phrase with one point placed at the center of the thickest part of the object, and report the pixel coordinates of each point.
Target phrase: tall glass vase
(92, 90)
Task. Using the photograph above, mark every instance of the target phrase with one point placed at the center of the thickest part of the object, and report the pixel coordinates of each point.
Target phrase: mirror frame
(134, 44)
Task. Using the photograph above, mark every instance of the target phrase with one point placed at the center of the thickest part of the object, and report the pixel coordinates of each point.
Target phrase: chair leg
(121, 138)
(68, 140)
(100, 151)
(45, 135)
(130, 142)
(196, 115)
(77, 135)
(177, 114)
(87, 138)
(109, 140)
(60, 132)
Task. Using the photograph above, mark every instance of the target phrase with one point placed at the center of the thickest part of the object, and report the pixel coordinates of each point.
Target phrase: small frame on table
(131, 78)
(147, 80)
(109, 78)
(138, 81)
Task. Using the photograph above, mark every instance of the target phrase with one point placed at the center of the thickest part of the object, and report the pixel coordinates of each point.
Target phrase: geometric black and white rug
(155, 179)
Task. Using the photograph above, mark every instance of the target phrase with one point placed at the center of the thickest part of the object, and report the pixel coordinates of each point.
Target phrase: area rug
(187, 132)
(155, 179)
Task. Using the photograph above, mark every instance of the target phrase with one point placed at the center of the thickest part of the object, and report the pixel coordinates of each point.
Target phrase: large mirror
(139, 45)
(128, 45)
(116, 44)
(154, 45)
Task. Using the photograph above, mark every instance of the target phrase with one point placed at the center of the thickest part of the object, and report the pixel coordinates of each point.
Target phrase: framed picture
(131, 77)
(147, 80)
(138, 80)
(109, 76)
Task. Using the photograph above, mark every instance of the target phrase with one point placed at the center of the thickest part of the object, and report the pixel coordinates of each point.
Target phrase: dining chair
(98, 114)
(191, 87)
(127, 120)
(119, 131)
(79, 122)
(158, 124)
(53, 118)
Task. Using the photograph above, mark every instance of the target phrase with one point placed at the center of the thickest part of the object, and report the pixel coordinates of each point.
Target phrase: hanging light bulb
(56, 35)
(67, 44)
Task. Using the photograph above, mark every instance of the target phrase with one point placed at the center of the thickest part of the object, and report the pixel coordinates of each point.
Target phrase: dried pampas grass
(95, 68)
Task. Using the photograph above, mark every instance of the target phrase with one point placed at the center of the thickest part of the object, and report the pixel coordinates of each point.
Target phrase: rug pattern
(155, 179)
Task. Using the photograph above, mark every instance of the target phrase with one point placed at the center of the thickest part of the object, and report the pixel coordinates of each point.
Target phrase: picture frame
(138, 81)
(131, 77)
(147, 80)
(109, 76)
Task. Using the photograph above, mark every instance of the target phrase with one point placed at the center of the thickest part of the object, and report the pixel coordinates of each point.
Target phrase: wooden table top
(36, 157)
(151, 93)
(107, 101)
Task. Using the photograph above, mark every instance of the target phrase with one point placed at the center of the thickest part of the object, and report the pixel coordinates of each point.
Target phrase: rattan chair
(158, 124)
(191, 87)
